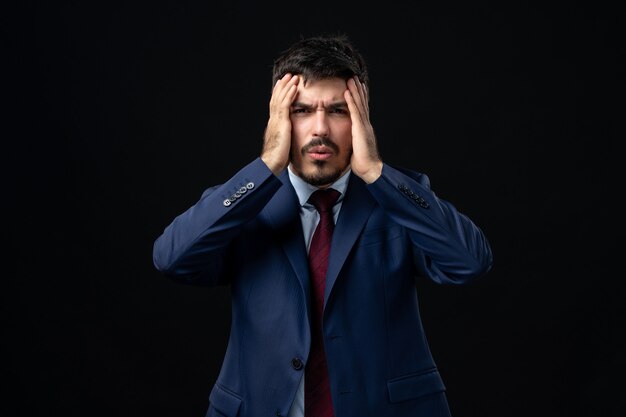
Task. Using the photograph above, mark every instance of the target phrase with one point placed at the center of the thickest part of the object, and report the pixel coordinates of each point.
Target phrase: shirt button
(297, 364)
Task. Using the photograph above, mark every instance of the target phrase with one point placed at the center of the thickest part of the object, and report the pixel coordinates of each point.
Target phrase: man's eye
(339, 111)
(298, 110)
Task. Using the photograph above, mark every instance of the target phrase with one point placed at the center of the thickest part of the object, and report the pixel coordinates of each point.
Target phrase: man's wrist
(374, 173)
(273, 166)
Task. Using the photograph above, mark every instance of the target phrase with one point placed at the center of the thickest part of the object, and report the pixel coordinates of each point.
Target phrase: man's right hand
(277, 139)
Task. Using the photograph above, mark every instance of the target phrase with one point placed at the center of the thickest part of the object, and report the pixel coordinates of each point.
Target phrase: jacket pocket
(224, 401)
(415, 385)
(372, 237)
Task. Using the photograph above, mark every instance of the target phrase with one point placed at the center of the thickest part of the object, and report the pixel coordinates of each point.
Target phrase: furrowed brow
(338, 105)
(301, 105)
(331, 106)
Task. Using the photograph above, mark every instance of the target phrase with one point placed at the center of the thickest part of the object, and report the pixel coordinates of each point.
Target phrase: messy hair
(321, 57)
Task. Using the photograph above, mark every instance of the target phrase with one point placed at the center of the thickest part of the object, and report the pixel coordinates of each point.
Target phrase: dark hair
(320, 57)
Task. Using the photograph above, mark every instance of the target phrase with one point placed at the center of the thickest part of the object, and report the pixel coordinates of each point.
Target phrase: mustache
(320, 142)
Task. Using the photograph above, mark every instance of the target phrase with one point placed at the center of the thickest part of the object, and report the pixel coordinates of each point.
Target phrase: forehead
(328, 89)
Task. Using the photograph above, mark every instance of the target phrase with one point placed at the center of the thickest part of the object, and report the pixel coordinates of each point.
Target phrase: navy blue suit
(247, 233)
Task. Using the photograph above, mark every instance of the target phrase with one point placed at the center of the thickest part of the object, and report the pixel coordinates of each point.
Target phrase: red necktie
(317, 400)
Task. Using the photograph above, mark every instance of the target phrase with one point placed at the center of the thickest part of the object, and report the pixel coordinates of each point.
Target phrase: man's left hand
(365, 162)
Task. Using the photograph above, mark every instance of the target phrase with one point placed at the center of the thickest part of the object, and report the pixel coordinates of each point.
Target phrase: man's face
(321, 131)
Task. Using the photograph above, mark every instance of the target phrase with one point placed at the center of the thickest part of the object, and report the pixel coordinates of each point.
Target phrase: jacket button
(297, 364)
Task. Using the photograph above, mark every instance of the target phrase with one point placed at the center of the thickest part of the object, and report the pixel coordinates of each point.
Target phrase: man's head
(321, 136)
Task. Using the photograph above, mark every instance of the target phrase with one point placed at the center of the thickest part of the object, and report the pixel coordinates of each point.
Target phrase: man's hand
(277, 138)
(365, 162)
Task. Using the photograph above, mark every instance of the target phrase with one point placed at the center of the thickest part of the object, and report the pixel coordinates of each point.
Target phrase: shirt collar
(304, 189)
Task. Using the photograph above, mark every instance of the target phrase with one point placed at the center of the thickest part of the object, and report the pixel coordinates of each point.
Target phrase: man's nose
(321, 123)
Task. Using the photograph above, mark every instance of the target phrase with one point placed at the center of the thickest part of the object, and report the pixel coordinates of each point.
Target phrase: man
(320, 332)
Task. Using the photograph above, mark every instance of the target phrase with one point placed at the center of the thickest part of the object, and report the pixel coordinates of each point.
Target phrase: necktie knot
(323, 200)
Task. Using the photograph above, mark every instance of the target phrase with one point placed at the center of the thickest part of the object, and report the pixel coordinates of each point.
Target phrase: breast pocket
(376, 236)
(223, 403)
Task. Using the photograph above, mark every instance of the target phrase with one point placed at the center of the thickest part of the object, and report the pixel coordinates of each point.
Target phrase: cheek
(297, 141)
(344, 137)
(346, 146)
(302, 123)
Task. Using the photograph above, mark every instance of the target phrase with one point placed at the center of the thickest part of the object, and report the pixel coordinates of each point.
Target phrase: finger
(366, 92)
(290, 91)
(281, 81)
(362, 96)
(355, 96)
(286, 88)
(355, 114)
(279, 87)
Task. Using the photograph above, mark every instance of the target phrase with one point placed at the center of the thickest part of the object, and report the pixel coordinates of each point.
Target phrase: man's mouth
(320, 153)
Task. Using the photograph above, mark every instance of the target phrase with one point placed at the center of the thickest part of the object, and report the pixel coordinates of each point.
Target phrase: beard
(323, 173)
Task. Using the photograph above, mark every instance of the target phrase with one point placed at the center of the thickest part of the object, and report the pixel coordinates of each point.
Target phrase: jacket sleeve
(192, 249)
(448, 247)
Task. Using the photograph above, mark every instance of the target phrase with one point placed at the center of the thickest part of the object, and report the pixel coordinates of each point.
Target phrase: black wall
(118, 116)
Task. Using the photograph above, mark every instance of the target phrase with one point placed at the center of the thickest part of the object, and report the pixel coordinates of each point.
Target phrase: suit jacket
(247, 233)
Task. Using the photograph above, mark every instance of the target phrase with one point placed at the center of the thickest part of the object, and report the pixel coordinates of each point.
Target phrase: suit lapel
(283, 215)
(355, 210)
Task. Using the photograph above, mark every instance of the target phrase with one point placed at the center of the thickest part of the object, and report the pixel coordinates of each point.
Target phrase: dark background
(118, 115)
